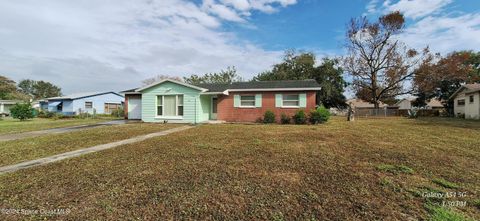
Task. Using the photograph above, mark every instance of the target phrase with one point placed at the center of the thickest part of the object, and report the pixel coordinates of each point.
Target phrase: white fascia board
(173, 81)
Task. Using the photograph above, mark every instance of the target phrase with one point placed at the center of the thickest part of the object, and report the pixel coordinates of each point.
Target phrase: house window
(461, 102)
(109, 107)
(88, 105)
(170, 105)
(247, 101)
(180, 105)
(471, 99)
(290, 100)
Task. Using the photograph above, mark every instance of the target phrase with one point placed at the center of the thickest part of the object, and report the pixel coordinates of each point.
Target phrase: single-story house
(406, 104)
(5, 106)
(467, 101)
(179, 102)
(101, 102)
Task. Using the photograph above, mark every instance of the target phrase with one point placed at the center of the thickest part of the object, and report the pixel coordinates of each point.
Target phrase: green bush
(118, 112)
(45, 114)
(319, 115)
(269, 117)
(285, 119)
(22, 111)
(300, 117)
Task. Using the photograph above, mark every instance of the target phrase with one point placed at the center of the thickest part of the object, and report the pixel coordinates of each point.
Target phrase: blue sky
(97, 45)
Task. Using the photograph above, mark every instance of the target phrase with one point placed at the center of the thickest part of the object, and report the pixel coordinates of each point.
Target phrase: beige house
(467, 101)
(359, 103)
(5, 106)
(406, 104)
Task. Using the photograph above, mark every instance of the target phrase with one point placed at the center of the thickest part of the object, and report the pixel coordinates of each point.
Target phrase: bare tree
(159, 78)
(377, 61)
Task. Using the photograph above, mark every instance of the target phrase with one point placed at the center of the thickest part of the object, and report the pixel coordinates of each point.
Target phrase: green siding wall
(191, 102)
(205, 105)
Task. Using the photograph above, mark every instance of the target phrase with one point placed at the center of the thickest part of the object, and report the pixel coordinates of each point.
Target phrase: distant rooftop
(81, 95)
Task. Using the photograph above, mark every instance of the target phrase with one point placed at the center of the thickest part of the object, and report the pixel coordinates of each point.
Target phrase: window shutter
(258, 100)
(236, 100)
(278, 100)
(303, 100)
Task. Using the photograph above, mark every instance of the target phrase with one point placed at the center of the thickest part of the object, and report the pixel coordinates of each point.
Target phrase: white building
(467, 101)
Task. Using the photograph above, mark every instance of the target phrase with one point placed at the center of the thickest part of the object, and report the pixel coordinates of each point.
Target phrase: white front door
(134, 108)
(213, 113)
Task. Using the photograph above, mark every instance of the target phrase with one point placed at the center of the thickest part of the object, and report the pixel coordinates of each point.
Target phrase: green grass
(395, 169)
(476, 203)
(11, 126)
(445, 183)
(439, 213)
(12, 152)
(261, 172)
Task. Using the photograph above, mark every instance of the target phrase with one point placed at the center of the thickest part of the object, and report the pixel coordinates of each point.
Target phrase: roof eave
(173, 81)
(275, 89)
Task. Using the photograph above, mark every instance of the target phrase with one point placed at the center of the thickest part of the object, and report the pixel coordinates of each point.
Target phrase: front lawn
(377, 169)
(12, 152)
(9, 125)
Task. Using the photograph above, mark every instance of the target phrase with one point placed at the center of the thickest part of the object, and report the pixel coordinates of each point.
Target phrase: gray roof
(81, 95)
(310, 83)
(470, 88)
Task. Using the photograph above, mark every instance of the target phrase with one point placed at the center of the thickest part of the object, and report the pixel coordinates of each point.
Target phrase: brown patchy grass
(11, 126)
(267, 172)
(12, 152)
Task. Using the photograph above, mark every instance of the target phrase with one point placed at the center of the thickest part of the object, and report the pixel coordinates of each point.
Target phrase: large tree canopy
(377, 61)
(302, 66)
(223, 77)
(439, 77)
(9, 91)
(159, 78)
(39, 89)
(7, 88)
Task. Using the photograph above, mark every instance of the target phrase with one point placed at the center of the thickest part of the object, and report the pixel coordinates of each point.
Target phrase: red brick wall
(228, 113)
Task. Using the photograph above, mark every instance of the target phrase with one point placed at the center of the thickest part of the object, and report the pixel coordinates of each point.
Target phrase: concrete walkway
(9, 137)
(76, 153)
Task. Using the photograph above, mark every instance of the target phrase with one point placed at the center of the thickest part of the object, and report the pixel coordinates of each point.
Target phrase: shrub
(300, 117)
(285, 119)
(57, 116)
(45, 114)
(269, 117)
(22, 111)
(319, 115)
(118, 112)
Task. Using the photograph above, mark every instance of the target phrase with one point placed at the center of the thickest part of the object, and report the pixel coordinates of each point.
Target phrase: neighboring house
(361, 104)
(5, 106)
(406, 104)
(102, 103)
(467, 101)
(178, 102)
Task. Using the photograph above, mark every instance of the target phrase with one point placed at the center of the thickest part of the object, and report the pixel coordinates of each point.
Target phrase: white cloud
(445, 34)
(98, 45)
(431, 24)
(413, 9)
(416, 8)
(237, 10)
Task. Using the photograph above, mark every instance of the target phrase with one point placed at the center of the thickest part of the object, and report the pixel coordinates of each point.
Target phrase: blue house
(101, 103)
